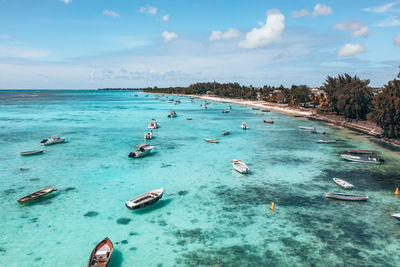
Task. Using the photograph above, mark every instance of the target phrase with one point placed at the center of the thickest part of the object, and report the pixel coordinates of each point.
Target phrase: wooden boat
(396, 216)
(317, 132)
(244, 126)
(211, 140)
(141, 151)
(306, 128)
(36, 195)
(145, 199)
(265, 121)
(370, 159)
(54, 139)
(32, 152)
(225, 132)
(343, 183)
(360, 151)
(148, 134)
(101, 254)
(326, 141)
(240, 166)
(351, 197)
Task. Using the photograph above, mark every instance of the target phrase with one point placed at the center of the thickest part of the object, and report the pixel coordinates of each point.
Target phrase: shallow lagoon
(214, 214)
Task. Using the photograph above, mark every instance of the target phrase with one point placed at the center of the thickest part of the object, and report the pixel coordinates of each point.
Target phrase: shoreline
(311, 114)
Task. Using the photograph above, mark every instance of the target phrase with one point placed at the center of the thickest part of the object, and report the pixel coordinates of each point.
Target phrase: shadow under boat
(160, 204)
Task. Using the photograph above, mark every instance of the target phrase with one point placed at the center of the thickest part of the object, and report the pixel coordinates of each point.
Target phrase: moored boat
(211, 140)
(146, 199)
(153, 125)
(259, 113)
(350, 197)
(266, 110)
(396, 216)
(266, 121)
(327, 141)
(244, 126)
(360, 151)
(370, 159)
(225, 132)
(54, 139)
(317, 132)
(141, 151)
(36, 195)
(172, 114)
(255, 108)
(32, 152)
(240, 166)
(101, 254)
(189, 118)
(225, 111)
(343, 183)
(148, 134)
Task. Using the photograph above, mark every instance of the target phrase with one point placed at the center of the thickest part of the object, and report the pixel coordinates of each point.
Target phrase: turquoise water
(214, 213)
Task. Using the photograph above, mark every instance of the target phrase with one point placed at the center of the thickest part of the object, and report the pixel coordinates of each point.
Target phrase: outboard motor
(132, 154)
(44, 141)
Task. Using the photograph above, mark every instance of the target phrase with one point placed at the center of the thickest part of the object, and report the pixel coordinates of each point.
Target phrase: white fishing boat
(225, 111)
(343, 183)
(145, 199)
(240, 166)
(396, 216)
(326, 141)
(32, 152)
(141, 151)
(211, 140)
(54, 139)
(306, 128)
(153, 125)
(370, 159)
(244, 126)
(148, 134)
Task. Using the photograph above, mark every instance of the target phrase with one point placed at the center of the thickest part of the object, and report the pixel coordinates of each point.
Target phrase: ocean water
(210, 215)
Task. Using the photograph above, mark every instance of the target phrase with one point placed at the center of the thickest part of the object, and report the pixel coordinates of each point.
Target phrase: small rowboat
(145, 199)
(396, 216)
(244, 126)
(211, 140)
(36, 194)
(347, 196)
(240, 166)
(266, 110)
(189, 118)
(306, 128)
(317, 132)
(259, 113)
(326, 141)
(360, 151)
(225, 132)
(343, 183)
(32, 152)
(225, 111)
(255, 108)
(370, 159)
(265, 121)
(101, 254)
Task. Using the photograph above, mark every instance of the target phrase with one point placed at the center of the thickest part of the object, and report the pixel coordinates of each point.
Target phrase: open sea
(210, 215)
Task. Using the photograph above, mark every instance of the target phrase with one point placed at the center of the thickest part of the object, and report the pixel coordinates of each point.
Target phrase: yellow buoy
(397, 191)
(272, 207)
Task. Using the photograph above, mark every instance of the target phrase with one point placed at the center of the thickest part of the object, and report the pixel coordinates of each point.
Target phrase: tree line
(344, 95)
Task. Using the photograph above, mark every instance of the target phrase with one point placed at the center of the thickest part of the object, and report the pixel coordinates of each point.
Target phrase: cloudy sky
(87, 44)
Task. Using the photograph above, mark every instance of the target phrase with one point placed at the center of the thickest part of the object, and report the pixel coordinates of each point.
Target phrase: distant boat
(275, 118)
(225, 132)
(361, 159)
(141, 151)
(326, 141)
(240, 166)
(396, 216)
(255, 108)
(360, 151)
(259, 113)
(148, 134)
(189, 118)
(265, 121)
(317, 132)
(32, 152)
(225, 111)
(211, 140)
(306, 128)
(343, 183)
(244, 126)
(36, 195)
(347, 196)
(54, 139)
(101, 254)
(153, 125)
(172, 114)
(145, 199)
(266, 110)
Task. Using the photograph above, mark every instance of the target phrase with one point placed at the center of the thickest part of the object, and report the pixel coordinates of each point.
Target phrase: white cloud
(23, 52)
(149, 10)
(66, 1)
(165, 18)
(321, 10)
(356, 28)
(267, 34)
(169, 36)
(350, 50)
(300, 13)
(382, 8)
(389, 22)
(397, 40)
(228, 34)
(111, 13)
(2, 37)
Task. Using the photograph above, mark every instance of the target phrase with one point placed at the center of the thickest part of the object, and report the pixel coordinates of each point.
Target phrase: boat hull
(343, 183)
(108, 247)
(145, 204)
(347, 197)
(33, 152)
(38, 194)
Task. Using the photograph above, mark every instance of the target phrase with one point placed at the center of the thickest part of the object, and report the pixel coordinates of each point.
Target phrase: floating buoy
(218, 262)
(272, 207)
(397, 191)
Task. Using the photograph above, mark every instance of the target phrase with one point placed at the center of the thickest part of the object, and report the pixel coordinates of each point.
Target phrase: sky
(90, 44)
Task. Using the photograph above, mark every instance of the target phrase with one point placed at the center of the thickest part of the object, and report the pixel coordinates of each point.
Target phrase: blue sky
(87, 44)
